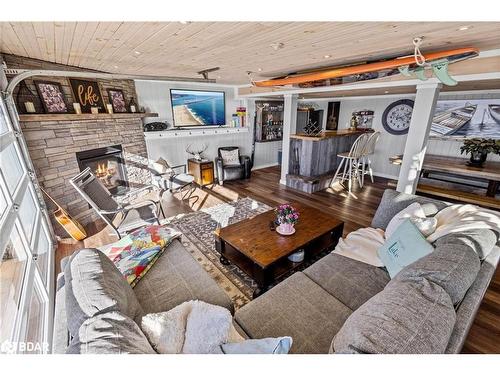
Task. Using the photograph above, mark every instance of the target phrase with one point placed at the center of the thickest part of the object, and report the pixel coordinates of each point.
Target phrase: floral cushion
(136, 253)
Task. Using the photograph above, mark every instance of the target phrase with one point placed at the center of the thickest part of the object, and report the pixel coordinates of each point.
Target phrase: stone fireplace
(108, 165)
(61, 145)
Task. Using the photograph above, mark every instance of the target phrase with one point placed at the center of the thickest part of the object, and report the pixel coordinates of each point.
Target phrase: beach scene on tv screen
(191, 108)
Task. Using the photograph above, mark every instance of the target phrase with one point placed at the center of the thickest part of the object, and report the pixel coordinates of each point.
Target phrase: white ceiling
(182, 49)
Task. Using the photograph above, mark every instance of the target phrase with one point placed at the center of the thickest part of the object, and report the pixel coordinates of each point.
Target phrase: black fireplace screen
(107, 164)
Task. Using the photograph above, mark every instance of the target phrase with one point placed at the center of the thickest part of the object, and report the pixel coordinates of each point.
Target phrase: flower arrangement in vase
(286, 218)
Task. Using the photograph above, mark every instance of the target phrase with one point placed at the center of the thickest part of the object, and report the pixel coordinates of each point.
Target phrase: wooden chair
(366, 163)
(350, 161)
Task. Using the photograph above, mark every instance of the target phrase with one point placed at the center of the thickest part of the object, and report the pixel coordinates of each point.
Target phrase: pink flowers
(286, 214)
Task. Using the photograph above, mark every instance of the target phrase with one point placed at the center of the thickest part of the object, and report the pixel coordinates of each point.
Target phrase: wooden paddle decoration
(70, 225)
(437, 61)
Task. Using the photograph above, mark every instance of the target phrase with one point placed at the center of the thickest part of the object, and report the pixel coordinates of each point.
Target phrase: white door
(26, 251)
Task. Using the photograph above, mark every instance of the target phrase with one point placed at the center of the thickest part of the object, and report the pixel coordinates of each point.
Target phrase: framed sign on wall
(117, 100)
(52, 96)
(473, 118)
(88, 94)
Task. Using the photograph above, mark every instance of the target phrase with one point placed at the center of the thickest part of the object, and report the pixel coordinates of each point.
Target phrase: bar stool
(366, 163)
(351, 162)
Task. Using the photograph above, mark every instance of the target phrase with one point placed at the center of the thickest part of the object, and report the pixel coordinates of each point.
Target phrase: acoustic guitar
(70, 225)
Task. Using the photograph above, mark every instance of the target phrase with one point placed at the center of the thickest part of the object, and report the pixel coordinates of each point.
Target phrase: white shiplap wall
(266, 154)
(174, 149)
(155, 97)
(389, 144)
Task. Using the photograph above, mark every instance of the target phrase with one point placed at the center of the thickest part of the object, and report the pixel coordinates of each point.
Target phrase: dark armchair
(228, 172)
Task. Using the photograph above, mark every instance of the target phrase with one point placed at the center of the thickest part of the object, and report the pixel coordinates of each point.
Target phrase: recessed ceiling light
(386, 92)
(463, 28)
(277, 46)
(116, 66)
(137, 52)
(327, 56)
(260, 69)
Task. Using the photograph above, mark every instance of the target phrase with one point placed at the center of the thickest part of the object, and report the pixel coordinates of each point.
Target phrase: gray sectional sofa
(341, 305)
(336, 305)
(176, 277)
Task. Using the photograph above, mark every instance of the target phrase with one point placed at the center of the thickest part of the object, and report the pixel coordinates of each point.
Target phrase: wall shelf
(269, 140)
(182, 133)
(83, 116)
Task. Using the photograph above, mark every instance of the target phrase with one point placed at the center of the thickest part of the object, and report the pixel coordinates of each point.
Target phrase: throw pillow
(414, 317)
(454, 267)
(136, 253)
(109, 333)
(414, 210)
(93, 285)
(482, 241)
(197, 327)
(230, 157)
(271, 345)
(193, 327)
(405, 246)
(426, 226)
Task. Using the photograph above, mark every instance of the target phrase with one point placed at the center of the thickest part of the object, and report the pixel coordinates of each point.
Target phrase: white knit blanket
(462, 217)
(362, 244)
(193, 327)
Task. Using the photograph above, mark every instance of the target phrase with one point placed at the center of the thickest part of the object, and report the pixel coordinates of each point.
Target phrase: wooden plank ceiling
(182, 49)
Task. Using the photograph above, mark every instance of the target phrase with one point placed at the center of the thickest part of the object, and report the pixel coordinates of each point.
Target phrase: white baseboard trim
(384, 175)
(255, 167)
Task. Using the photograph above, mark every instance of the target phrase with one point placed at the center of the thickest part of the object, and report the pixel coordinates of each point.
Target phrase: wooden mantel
(83, 116)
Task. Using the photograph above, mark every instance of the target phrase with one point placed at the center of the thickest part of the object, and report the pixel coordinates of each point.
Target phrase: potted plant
(287, 217)
(479, 148)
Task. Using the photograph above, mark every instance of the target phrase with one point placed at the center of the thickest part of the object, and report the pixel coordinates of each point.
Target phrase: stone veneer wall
(53, 145)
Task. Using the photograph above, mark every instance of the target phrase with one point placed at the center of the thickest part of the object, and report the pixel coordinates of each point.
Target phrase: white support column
(418, 135)
(250, 106)
(289, 127)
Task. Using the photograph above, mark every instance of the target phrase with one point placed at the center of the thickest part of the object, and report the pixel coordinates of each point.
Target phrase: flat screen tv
(198, 108)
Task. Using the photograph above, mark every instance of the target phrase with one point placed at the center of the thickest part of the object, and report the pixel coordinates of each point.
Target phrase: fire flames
(102, 170)
(105, 173)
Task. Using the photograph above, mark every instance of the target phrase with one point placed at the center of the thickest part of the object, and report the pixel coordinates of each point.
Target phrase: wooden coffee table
(262, 253)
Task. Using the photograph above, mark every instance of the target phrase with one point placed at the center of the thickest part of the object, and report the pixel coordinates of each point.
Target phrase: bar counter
(331, 134)
(313, 160)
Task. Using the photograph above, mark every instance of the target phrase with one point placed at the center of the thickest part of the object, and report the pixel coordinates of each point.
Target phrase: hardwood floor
(356, 211)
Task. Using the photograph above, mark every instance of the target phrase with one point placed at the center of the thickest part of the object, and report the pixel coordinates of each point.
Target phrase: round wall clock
(397, 116)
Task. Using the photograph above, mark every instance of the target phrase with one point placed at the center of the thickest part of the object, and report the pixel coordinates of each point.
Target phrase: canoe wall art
(479, 118)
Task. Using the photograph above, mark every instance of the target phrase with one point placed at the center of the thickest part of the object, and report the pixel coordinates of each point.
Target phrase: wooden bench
(460, 196)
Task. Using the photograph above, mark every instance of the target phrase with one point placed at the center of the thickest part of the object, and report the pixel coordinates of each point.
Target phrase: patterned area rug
(198, 238)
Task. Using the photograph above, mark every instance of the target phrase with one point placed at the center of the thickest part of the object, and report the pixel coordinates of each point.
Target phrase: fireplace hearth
(107, 164)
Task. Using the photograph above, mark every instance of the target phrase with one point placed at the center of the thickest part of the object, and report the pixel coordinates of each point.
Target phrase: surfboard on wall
(406, 65)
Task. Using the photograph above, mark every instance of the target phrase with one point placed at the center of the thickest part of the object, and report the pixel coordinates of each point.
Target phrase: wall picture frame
(88, 94)
(466, 119)
(52, 96)
(117, 100)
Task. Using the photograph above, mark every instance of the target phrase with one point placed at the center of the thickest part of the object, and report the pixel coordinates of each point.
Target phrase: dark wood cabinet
(203, 171)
